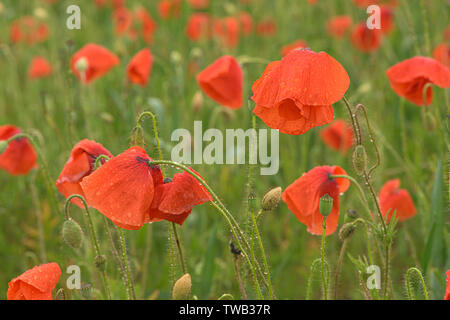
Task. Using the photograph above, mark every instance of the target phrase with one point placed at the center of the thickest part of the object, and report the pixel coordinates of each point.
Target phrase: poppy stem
(322, 260)
(314, 266)
(338, 267)
(409, 284)
(93, 234)
(360, 189)
(180, 249)
(130, 290)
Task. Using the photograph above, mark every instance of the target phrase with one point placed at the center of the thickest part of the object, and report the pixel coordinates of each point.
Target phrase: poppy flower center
(288, 110)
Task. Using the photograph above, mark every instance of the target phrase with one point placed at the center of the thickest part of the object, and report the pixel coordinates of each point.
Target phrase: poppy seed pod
(325, 205)
(359, 159)
(347, 230)
(271, 199)
(72, 234)
(100, 262)
(82, 64)
(182, 288)
(197, 101)
(3, 146)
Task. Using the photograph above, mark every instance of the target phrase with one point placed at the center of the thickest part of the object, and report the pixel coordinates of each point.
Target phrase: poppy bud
(176, 57)
(72, 234)
(325, 205)
(60, 294)
(100, 262)
(182, 288)
(359, 159)
(3, 146)
(352, 214)
(346, 231)
(271, 199)
(197, 101)
(82, 64)
(429, 122)
(137, 137)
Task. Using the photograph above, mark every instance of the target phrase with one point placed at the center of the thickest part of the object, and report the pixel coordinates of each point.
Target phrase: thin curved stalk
(409, 285)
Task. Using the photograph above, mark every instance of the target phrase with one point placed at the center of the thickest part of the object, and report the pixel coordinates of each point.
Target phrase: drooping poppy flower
(174, 200)
(246, 23)
(392, 198)
(39, 68)
(226, 30)
(19, 157)
(35, 284)
(198, 4)
(297, 93)
(299, 44)
(409, 77)
(266, 28)
(140, 67)
(222, 82)
(386, 19)
(303, 196)
(365, 39)
(123, 188)
(169, 8)
(442, 54)
(447, 288)
(198, 26)
(338, 26)
(28, 30)
(80, 165)
(338, 136)
(99, 61)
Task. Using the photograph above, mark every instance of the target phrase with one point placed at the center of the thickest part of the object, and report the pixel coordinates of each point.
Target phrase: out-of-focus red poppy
(447, 288)
(99, 61)
(35, 284)
(19, 157)
(147, 24)
(446, 33)
(28, 30)
(222, 82)
(174, 201)
(409, 77)
(134, 23)
(266, 28)
(338, 26)
(226, 30)
(338, 136)
(442, 54)
(299, 44)
(169, 8)
(123, 21)
(392, 198)
(386, 19)
(246, 23)
(39, 68)
(140, 67)
(312, 2)
(199, 26)
(123, 188)
(199, 4)
(80, 165)
(365, 39)
(297, 93)
(303, 196)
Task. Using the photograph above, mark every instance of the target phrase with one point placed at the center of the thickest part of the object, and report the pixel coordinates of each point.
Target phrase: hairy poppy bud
(3, 146)
(72, 234)
(82, 64)
(182, 288)
(60, 294)
(429, 122)
(346, 231)
(197, 101)
(100, 262)
(325, 205)
(359, 159)
(352, 214)
(271, 199)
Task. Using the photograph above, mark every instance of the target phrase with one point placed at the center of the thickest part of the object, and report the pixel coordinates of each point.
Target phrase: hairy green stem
(130, 290)
(409, 285)
(322, 260)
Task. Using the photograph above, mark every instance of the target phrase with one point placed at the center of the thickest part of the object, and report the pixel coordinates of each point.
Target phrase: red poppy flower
(169, 8)
(303, 196)
(442, 54)
(391, 199)
(19, 157)
(80, 165)
(227, 31)
(313, 2)
(140, 67)
(222, 82)
(35, 284)
(123, 21)
(246, 23)
(198, 26)
(365, 39)
(447, 289)
(297, 93)
(99, 61)
(198, 4)
(266, 28)
(147, 24)
(28, 30)
(173, 201)
(386, 19)
(409, 77)
(123, 188)
(338, 26)
(39, 68)
(338, 136)
(299, 44)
